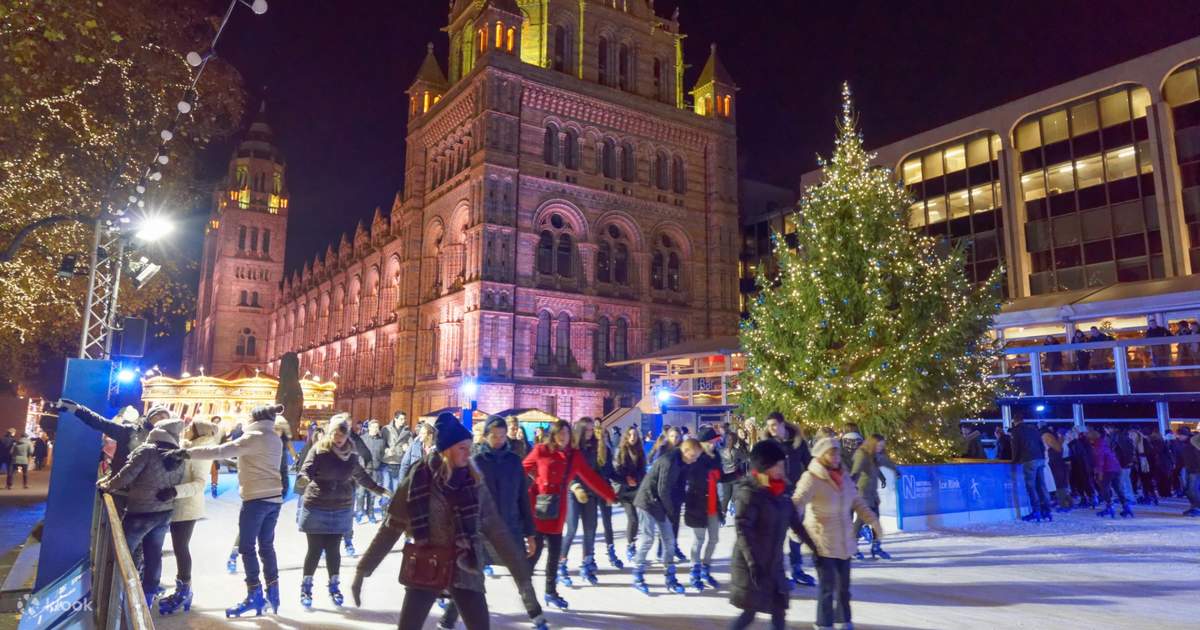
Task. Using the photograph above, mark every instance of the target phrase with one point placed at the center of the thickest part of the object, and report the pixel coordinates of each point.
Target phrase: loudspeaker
(132, 342)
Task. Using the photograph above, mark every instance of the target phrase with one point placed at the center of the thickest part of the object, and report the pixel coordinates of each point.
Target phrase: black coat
(695, 502)
(758, 581)
(634, 468)
(657, 493)
(509, 487)
(1027, 443)
(6, 444)
(331, 480)
(1122, 447)
(1004, 447)
(797, 460)
(1081, 456)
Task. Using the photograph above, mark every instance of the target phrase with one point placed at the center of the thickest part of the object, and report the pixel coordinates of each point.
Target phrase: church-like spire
(429, 85)
(430, 71)
(714, 89)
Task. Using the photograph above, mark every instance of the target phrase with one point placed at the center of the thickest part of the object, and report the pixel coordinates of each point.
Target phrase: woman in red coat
(548, 464)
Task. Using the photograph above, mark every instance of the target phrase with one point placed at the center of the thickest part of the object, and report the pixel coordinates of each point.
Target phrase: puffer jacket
(702, 478)
(189, 494)
(144, 474)
(657, 494)
(506, 480)
(128, 436)
(21, 451)
(829, 511)
(757, 578)
(867, 474)
(442, 530)
(259, 451)
(331, 480)
(1103, 459)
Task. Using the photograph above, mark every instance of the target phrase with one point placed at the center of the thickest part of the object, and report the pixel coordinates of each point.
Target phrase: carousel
(232, 395)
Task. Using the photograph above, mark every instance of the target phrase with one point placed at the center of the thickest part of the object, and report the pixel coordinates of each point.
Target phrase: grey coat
(866, 474)
(21, 451)
(144, 475)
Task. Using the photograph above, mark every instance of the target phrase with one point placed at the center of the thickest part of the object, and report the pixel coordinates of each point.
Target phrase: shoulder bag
(547, 506)
(428, 567)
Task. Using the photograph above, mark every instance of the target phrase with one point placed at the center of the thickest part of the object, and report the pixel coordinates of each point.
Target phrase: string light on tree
(866, 320)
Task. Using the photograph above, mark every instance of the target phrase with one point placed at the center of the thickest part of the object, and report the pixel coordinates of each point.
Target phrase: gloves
(581, 495)
(356, 588)
(66, 405)
(166, 494)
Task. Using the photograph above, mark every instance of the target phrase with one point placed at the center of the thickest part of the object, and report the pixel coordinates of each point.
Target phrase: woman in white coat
(189, 508)
(830, 500)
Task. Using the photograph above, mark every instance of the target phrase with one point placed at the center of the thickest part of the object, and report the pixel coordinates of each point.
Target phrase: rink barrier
(920, 497)
(118, 602)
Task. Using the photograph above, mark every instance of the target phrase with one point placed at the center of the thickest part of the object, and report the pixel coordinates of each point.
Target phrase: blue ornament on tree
(884, 365)
(824, 323)
(833, 371)
(871, 333)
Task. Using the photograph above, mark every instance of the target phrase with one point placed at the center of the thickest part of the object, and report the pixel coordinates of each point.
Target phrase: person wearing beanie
(701, 509)
(444, 506)
(501, 470)
(259, 451)
(763, 514)
(828, 499)
(127, 435)
(332, 470)
(149, 477)
(792, 439)
(553, 465)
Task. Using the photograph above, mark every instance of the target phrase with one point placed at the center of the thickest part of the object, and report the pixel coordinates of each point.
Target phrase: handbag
(427, 567)
(547, 506)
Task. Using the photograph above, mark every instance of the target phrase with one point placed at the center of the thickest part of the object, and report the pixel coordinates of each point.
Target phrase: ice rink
(1078, 572)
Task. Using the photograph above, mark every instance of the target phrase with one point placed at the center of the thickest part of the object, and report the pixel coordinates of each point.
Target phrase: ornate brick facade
(562, 208)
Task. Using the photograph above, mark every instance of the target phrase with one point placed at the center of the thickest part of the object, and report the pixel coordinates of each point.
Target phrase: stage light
(126, 375)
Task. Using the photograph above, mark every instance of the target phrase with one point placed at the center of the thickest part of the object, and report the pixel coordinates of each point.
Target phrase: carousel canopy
(230, 395)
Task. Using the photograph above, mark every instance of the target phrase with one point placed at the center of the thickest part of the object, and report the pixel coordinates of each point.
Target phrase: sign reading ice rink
(952, 494)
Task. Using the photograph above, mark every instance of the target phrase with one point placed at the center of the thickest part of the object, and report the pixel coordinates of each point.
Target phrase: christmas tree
(867, 320)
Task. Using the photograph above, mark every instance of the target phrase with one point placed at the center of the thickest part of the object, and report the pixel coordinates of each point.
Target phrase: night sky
(335, 74)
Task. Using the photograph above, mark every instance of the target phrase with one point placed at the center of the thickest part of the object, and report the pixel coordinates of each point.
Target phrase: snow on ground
(1078, 572)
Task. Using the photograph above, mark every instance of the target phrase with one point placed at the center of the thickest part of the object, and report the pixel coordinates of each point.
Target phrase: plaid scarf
(460, 492)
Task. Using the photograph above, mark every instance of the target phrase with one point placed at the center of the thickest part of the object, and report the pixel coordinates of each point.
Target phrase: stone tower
(242, 261)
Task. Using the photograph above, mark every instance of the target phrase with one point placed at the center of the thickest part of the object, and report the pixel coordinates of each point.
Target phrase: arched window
(563, 259)
(550, 145)
(266, 242)
(658, 78)
(247, 345)
(608, 158)
(657, 272)
(481, 37)
(620, 341)
(499, 35)
(623, 68)
(254, 299)
(545, 253)
(571, 149)
(656, 336)
(628, 162)
(559, 62)
(253, 239)
(601, 342)
(602, 61)
(708, 105)
(728, 100)
(661, 171)
(679, 175)
(242, 300)
(603, 262)
(673, 271)
(672, 334)
(241, 238)
(562, 340)
(621, 265)
(542, 355)
(511, 41)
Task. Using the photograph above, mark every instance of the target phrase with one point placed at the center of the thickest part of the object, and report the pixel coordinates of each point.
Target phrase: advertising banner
(941, 489)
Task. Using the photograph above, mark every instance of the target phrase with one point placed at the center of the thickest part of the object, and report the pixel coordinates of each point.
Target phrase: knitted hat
(822, 445)
(166, 431)
(156, 409)
(449, 431)
(766, 454)
(266, 412)
(707, 434)
(494, 422)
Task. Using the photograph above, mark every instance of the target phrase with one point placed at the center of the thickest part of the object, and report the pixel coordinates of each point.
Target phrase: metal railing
(117, 599)
(1149, 367)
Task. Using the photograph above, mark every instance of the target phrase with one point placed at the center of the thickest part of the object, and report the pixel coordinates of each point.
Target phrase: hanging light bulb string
(153, 172)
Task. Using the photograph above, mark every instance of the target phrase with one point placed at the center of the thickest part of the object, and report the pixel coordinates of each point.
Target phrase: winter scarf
(343, 452)
(460, 491)
(775, 486)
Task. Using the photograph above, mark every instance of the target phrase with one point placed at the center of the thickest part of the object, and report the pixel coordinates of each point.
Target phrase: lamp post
(469, 389)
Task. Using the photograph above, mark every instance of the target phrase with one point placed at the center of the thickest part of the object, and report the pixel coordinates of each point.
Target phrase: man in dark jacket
(127, 435)
(364, 503)
(506, 481)
(41, 450)
(1003, 444)
(1030, 453)
(655, 502)
(516, 438)
(6, 443)
(397, 436)
(798, 457)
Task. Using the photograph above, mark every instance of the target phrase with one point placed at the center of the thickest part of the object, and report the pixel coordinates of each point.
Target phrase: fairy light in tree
(866, 320)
